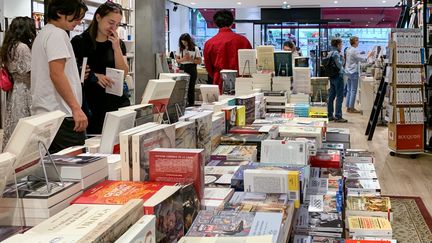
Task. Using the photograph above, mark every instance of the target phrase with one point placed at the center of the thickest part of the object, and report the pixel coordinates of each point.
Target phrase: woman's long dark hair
(186, 37)
(22, 29)
(103, 10)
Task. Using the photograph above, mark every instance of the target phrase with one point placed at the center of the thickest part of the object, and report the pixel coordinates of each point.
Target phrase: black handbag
(329, 67)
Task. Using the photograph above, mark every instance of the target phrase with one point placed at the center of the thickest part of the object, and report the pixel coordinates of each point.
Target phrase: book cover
(144, 230)
(158, 93)
(185, 135)
(326, 159)
(236, 223)
(240, 115)
(167, 206)
(233, 152)
(230, 117)
(162, 136)
(347, 166)
(369, 206)
(114, 123)
(326, 222)
(203, 123)
(179, 166)
(191, 205)
(329, 203)
(119, 192)
(6, 168)
(283, 151)
(369, 226)
(362, 174)
(117, 76)
(367, 187)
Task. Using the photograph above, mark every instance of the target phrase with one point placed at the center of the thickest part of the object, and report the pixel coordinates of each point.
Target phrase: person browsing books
(101, 45)
(188, 57)
(15, 55)
(221, 51)
(55, 81)
(336, 83)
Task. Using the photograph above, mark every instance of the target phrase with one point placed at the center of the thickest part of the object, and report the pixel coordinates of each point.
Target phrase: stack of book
(218, 173)
(260, 105)
(275, 101)
(318, 109)
(302, 80)
(203, 126)
(281, 83)
(298, 109)
(261, 81)
(185, 134)
(271, 130)
(218, 129)
(299, 98)
(339, 136)
(114, 167)
(249, 103)
(302, 132)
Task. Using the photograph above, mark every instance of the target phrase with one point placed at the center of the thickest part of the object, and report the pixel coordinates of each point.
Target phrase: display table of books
(227, 170)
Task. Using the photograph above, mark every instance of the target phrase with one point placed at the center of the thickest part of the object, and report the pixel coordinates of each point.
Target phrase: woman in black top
(189, 56)
(103, 48)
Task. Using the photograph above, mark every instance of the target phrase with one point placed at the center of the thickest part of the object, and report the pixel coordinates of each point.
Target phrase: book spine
(124, 156)
(135, 159)
(294, 187)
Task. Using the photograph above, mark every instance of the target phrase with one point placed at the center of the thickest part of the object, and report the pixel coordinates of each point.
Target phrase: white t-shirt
(193, 54)
(52, 43)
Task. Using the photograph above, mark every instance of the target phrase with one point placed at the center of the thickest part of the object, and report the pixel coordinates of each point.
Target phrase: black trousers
(191, 69)
(66, 136)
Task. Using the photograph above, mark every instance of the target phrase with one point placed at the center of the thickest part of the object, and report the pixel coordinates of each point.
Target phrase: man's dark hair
(223, 18)
(289, 44)
(335, 42)
(75, 8)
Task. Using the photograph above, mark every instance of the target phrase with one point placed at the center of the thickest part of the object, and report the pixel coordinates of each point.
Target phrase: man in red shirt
(221, 51)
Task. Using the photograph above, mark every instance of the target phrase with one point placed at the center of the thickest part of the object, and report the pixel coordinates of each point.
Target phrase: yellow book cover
(368, 223)
(241, 115)
(294, 187)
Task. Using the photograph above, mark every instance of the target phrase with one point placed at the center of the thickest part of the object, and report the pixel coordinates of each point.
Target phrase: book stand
(161, 111)
(247, 64)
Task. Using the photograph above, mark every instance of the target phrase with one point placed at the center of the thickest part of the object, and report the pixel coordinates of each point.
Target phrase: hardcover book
(119, 192)
(236, 223)
(162, 136)
(179, 166)
(167, 206)
(185, 135)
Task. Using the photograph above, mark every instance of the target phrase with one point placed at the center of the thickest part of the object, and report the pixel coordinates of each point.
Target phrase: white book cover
(265, 57)
(282, 151)
(210, 93)
(6, 168)
(158, 92)
(268, 181)
(24, 141)
(247, 61)
(117, 76)
(142, 231)
(223, 194)
(125, 138)
(114, 123)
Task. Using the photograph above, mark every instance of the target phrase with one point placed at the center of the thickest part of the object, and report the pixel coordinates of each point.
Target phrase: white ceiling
(278, 3)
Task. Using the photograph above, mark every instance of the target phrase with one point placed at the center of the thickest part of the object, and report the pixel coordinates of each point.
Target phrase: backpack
(329, 67)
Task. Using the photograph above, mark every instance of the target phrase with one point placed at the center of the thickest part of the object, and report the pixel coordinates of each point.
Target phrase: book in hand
(144, 230)
(117, 76)
(179, 166)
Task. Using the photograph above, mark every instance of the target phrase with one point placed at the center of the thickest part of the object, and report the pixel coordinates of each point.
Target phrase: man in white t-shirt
(55, 81)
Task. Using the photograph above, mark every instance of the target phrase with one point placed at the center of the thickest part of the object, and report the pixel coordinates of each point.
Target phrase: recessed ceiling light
(239, 3)
(338, 18)
(193, 3)
(384, 1)
(335, 2)
(367, 25)
(285, 2)
(372, 18)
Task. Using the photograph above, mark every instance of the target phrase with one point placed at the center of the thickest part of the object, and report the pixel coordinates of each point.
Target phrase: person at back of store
(221, 51)
(188, 57)
(336, 83)
(15, 56)
(100, 43)
(290, 46)
(353, 58)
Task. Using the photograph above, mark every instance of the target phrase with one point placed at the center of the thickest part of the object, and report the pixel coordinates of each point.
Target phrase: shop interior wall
(179, 23)
(247, 29)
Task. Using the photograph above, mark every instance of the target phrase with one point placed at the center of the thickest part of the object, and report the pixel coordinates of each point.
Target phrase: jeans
(352, 86)
(335, 92)
(191, 69)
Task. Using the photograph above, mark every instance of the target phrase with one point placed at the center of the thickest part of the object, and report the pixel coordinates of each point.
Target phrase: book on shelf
(236, 223)
(119, 192)
(276, 181)
(235, 152)
(179, 166)
(114, 123)
(409, 96)
(369, 207)
(144, 230)
(409, 75)
(167, 206)
(161, 136)
(117, 76)
(369, 226)
(126, 154)
(185, 135)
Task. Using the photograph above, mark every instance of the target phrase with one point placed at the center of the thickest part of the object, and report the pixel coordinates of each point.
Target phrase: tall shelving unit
(427, 30)
(406, 76)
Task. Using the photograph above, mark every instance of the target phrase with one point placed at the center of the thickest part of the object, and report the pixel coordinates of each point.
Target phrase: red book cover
(119, 192)
(245, 130)
(178, 165)
(326, 160)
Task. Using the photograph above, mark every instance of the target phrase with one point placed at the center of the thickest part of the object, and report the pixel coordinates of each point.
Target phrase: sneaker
(353, 110)
(331, 118)
(341, 120)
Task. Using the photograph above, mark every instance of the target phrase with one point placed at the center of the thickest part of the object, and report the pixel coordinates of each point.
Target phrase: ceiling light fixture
(335, 2)
(175, 7)
(239, 3)
(193, 3)
(384, 1)
(367, 25)
(285, 2)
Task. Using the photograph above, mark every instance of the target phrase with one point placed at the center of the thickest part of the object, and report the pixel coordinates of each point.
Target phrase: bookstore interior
(248, 152)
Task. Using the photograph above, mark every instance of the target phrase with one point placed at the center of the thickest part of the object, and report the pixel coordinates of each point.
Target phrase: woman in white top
(188, 57)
